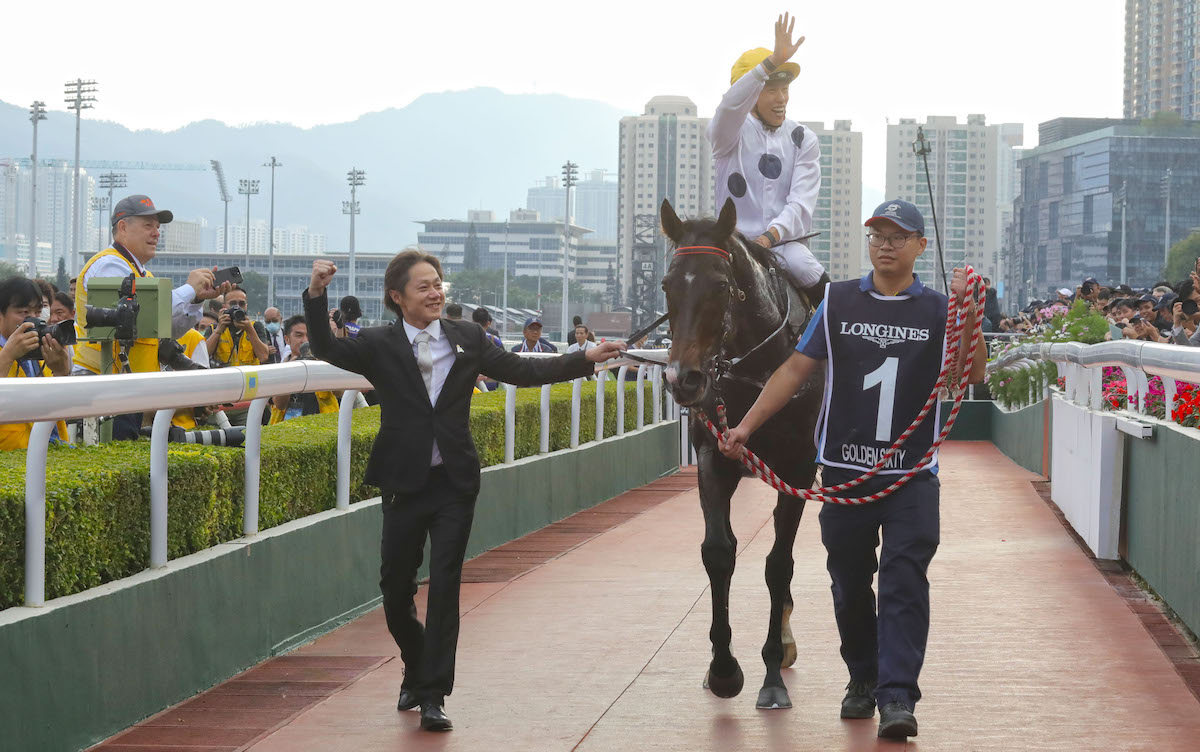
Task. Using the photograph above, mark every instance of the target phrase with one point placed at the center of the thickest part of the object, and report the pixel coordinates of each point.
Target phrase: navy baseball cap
(532, 320)
(901, 212)
(139, 206)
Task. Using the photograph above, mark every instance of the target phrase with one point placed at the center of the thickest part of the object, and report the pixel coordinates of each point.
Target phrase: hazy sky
(308, 63)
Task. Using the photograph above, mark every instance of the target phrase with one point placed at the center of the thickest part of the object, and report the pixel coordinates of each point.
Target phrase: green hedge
(98, 498)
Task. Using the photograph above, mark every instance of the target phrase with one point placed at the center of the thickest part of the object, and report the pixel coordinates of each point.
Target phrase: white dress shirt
(184, 313)
(576, 347)
(443, 359)
(779, 171)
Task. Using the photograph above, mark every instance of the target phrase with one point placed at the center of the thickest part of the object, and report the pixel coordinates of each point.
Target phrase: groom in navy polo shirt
(882, 342)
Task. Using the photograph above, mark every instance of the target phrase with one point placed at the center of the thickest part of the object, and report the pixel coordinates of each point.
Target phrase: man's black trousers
(885, 643)
(442, 513)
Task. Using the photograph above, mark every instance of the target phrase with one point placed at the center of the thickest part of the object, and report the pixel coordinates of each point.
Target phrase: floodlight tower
(79, 98)
(225, 197)
(355, 178)
(248, 188)
(37, 112)
(569, 171)
(271, 236)
(99, 204)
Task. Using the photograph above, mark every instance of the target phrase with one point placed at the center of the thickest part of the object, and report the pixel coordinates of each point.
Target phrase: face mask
(45, 313)
(273, 327)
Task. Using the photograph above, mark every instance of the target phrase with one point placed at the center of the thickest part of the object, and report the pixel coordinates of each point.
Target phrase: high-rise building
(664, 154)
(1067, 219)
(184, 236)
(548, 199)
(971, 174)
(838, 213)
(291, 240)
(56, 186)
(596, 207)
(1162, 59)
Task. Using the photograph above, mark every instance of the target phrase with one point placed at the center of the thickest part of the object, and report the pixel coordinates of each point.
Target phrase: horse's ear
(671, 226)
(727, 221)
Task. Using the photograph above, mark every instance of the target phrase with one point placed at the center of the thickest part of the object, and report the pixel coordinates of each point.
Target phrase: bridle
(720, 367)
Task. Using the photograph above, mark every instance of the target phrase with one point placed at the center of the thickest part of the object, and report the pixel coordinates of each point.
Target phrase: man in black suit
(424, 368)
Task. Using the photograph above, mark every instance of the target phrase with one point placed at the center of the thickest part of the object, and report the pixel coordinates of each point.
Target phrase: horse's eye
(664, 285)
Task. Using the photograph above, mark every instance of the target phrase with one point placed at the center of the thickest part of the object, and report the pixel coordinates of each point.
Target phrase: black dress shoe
(859, 701)
(407, 700)
(896, 721)
(433, 717)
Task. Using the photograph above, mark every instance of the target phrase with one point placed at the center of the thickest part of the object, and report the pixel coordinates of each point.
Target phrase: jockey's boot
(816, 292)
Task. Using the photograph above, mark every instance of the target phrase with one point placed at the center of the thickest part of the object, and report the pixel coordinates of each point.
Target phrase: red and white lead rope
(955, 321)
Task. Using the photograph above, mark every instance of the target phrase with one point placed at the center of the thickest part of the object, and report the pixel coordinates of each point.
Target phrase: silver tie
(425, 361)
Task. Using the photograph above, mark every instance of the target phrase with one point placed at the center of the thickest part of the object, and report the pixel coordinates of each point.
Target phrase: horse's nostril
(692, 380)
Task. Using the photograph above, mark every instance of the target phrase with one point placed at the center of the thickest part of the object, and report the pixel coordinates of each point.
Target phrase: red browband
(707, 250)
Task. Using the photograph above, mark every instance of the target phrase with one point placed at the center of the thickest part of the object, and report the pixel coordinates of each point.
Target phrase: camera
(304, 352)
(339, 320)
(122, 318)
(236, 314)
(171, 355)
(63, 333)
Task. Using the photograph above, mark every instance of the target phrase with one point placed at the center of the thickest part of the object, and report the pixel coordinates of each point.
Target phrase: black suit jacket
(383, 354)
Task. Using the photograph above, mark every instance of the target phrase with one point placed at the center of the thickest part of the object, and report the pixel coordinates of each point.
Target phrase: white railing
(1087, 457)
(44, 401)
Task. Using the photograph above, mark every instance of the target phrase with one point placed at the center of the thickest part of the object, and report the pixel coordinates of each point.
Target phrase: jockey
(770, 166)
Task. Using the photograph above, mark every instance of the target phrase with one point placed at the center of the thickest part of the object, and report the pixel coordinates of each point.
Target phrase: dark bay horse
(728, 302)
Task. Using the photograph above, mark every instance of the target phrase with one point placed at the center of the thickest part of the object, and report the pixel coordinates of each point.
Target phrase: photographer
(135, 222)
(238, 340)
(23, 354)
(285, 406)
(351, 312)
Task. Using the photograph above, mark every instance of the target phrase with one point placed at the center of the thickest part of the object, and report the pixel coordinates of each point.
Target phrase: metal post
(271, 237)
(544, 416)
(355, 177)
(576, 384)
(641, 395)
(569, 171)
(158, 488)
(1124, 199)
(345, 416)
(601, 379)
(504, 320)
(79, 99)
(656, 410)
(253, 464)
(621, 399)
(37, 111)
(1167, 225)
(248, 188)
(510, 422)
(35, 513)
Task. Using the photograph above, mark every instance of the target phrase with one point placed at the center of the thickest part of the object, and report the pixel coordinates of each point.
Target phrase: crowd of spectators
(1167, 313)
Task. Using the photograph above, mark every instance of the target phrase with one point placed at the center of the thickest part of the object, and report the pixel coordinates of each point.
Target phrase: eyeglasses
(879, 240)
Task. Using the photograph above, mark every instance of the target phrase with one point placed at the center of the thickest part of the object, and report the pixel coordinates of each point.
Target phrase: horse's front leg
(779, 568)
(718, 478)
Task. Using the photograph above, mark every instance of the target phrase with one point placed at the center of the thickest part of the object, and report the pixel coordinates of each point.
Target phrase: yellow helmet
(750, 58)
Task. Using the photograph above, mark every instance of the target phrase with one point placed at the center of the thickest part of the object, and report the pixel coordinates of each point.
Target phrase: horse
(728, 304)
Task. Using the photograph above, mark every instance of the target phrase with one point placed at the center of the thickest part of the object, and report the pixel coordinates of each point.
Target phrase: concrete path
(604, 647)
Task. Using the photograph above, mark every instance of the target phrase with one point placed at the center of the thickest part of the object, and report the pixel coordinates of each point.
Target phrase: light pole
(569, 171)
(504, 321)
(99, 204)
(248, 188)
(1123, 198)
(225, 198)
(271, 236)
(1167, 225)
(110, 181)
(37, 111)
(79, 98)
(355, 178)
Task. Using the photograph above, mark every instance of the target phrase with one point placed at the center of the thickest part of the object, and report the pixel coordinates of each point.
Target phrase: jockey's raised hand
(784, 47)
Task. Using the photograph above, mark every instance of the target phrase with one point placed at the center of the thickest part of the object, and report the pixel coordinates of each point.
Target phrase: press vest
(885, 354)
(185, 417)
(143, 355)
(244, 355)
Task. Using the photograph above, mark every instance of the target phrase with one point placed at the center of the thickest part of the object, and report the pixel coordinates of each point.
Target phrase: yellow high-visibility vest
(143, 356)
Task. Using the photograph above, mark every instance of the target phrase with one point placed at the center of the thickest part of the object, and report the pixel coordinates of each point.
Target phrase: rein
(955, 323)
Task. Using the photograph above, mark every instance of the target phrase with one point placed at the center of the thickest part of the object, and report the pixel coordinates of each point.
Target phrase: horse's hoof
(789, 655)
(725, 686)
(773, 698)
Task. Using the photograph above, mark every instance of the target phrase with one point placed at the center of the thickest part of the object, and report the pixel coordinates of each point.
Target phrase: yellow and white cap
(751, 58)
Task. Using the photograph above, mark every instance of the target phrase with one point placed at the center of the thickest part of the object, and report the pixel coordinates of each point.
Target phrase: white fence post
(253, 464)
(345, 416)
(575, 396)
(510, 421)
(601, 382)
(656, 412)
(544, 412)
(641, 397)
(158, 488)
(621, 399)
(35, 513)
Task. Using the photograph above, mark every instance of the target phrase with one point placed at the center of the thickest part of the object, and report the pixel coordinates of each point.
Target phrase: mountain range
(438, 156)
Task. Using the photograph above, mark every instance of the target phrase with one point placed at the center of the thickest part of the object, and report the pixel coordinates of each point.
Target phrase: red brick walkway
(603, 647)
